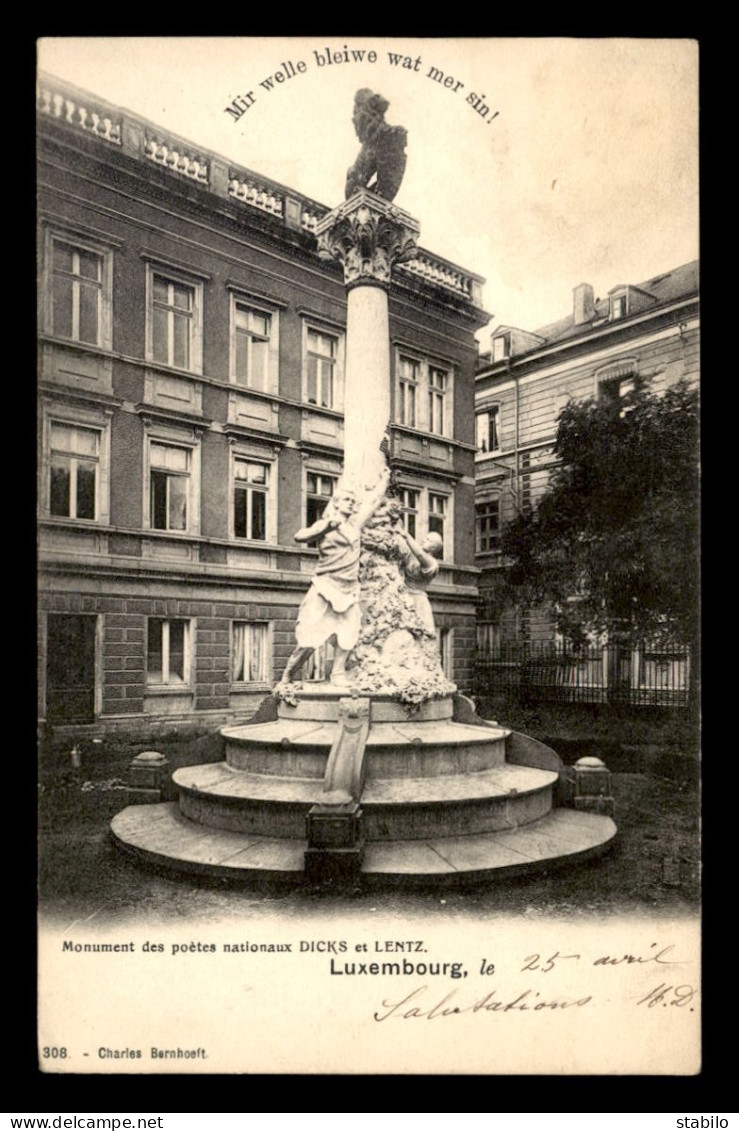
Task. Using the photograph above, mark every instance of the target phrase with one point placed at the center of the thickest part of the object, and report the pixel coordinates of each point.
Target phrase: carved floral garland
(411, 671)
(414, 672)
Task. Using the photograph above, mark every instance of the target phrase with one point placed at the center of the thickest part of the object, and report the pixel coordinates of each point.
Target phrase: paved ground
(652, 868)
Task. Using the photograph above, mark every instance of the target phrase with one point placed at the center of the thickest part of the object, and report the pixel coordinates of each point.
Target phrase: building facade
(649, 330)
(191, 367)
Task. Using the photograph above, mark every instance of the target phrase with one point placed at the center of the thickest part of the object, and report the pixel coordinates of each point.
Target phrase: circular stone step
(560, 837)
(493, 801)
(159, 835)
(394, 749)
(218, 796)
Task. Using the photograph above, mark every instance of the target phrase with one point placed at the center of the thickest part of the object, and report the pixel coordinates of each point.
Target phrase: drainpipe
(517, 468)
(511, 485)
(517, 494)
(511, 479)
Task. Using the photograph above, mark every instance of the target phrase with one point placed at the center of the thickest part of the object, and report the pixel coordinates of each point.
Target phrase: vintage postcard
(311, 312)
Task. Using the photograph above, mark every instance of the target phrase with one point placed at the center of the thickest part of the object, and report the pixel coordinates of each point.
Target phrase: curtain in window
(256, 653)
(249, 661)
(237, 672)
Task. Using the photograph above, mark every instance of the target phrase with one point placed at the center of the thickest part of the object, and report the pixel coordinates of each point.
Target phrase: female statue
(330, 609)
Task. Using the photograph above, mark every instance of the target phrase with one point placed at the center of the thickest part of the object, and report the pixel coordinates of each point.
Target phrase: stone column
(396, 654)
(368, 235)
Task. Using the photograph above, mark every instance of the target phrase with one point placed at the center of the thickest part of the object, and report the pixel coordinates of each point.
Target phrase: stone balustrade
(163, 151)
(138, 138)
(94, 120)
(439, 273)
(251, 191)
(309, 218)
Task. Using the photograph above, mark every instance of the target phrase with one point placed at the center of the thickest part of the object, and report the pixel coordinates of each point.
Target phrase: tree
(613, 543)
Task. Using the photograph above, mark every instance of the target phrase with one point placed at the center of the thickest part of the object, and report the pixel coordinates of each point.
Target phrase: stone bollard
(147, 774)
(592, 787)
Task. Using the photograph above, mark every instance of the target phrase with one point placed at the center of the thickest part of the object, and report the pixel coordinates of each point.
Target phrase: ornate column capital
(368, 235)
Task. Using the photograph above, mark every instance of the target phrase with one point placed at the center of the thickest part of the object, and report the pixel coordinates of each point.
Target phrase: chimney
(584, 303)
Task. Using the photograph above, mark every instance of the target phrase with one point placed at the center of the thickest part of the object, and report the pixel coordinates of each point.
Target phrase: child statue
(420, 566)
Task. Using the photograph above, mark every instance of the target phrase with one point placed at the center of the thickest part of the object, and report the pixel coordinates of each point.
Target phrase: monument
(382, 772)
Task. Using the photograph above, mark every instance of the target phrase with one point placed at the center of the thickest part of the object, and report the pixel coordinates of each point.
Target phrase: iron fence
(645, 676)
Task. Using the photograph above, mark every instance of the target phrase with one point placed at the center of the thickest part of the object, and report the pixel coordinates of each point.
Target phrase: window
(74, 456)
(409, 500)
(167, 652)
(617, 387)
(322, 356)
(171, 480)
(427, 511)
(169, 486)
(423, 393)
(487, 525)
(617, 380)
(251, 484)
(323, 365)
(487, 638)
(437, 392)
(77, 284)
(619, 306)
(317, 667)
(561, 401)
(174, 320)
(501, 347)
(319, 489)
(75, 462)
(487, 424)
(254, 349)
(437, 517)
(444, 643)
(172, 313)
(252, 329)
(77, 298)
(408, 378)
(250, 659)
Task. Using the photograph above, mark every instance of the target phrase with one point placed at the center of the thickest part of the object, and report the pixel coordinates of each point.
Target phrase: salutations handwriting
(417, 1004)
(428, 1003)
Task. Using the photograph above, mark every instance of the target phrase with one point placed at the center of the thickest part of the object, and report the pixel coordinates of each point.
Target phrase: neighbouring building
(191, 420)
(650, 329)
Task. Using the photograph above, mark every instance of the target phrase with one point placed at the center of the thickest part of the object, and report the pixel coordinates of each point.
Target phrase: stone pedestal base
(337, 870)
(334, 826)
(335, 845)
(148, 770)
(606, 806)
(444, 802)
(592, 787)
